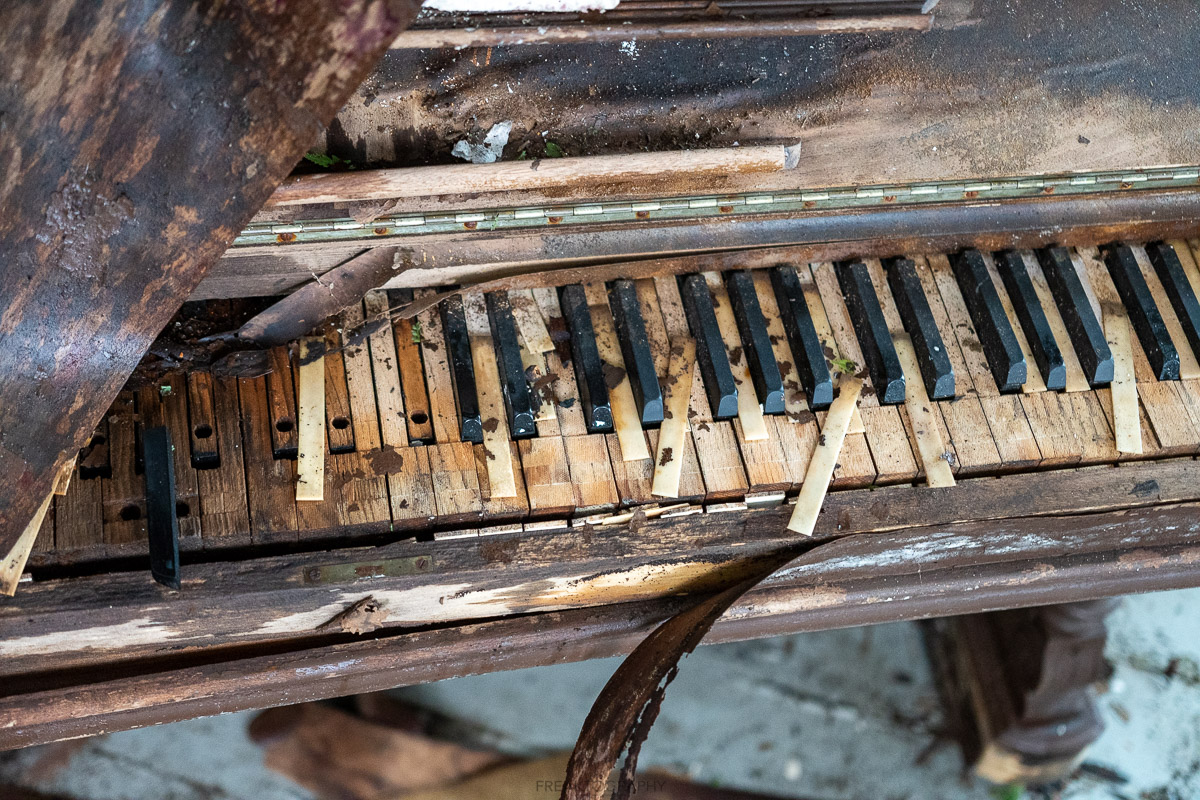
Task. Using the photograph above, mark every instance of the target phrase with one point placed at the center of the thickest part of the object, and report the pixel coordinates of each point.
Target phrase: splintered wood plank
(567, 407)
(13, 563)
(935, 425)
(361, 490)
(455, 482)
(501, 508)
(627, 422)
(1189, 368)
(124, 492)
(385, 374)
(633, 478)
(270, 482)
(443, 414)
(224, 513)
(1013, 432)
(1076, 379)
(890, 448)
(1034, 381)
(310, 464)
(1126, 421)
(547, 476)
(922, 412)
(281, 393)
(668, 461)
(409, 337)
(591, 474)
(202, 421)
(529, 321)
(691, 479)
(501, 475)
(716, 442)
(339, 420)
(79, 514)
(1166, 409)
(752, 427)
(541, 392)
(824, 460)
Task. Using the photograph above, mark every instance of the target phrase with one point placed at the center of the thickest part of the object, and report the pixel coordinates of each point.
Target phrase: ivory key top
(824, 460)
(668, 459)
(310, 460)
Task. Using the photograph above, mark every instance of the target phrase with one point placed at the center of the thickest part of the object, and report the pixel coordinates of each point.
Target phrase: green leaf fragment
(416, 331)
(553, 150)
(164, 391)
(322, 160)
(845, 366)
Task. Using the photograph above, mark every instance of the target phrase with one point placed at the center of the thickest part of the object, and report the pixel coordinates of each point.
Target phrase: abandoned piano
(595, 388)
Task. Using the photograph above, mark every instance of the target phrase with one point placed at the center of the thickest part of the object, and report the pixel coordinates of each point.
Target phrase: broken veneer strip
(668, 460)
(14, 563)
(1126, 423)
(310, 462)
(824, 460)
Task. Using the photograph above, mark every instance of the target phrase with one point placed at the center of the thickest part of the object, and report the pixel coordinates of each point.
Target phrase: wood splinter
(1126, 423)
(824, 460)
(13, 565)
(934, 455)
(310, 463)
(668, 460)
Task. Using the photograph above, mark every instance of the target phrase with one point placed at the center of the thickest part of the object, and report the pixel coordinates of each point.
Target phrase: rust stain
(284, 238)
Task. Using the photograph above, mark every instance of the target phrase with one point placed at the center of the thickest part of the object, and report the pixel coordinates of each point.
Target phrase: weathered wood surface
(118, 616)
(611, 250)
(1142, 552)
(138, 139)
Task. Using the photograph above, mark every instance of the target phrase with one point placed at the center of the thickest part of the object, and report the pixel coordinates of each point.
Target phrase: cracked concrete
(827, 716)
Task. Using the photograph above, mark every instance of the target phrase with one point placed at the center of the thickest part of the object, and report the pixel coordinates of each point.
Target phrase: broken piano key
(462, 368)
(936, 371)
(1143, 313)
(589, 370)
(872, 331)
(513, 381)
(635, 349)
(999, 341)
(802, 336)
(711, 354)
(768, 383)
(1033, 320)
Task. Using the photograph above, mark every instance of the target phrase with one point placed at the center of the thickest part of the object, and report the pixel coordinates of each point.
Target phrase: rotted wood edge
(1142, 563)
(119, 618)
(648, 248)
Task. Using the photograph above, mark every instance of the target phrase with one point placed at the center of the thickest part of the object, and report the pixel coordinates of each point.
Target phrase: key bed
(537, 407)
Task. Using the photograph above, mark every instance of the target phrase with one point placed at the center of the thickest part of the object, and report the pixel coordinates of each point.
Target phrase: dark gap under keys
(710, 347)
(635, 349)
(936, 370)
(872, 331)
(589, 369)
(999, 340)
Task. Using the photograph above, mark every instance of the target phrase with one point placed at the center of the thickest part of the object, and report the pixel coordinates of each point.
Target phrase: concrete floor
(827, 716)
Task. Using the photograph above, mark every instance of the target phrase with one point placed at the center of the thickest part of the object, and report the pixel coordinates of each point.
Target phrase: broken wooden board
(138, 140)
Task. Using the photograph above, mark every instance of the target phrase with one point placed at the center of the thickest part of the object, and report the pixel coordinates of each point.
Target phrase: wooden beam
(138, 139)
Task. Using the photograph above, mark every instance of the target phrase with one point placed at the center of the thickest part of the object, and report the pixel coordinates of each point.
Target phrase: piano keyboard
(538, 407)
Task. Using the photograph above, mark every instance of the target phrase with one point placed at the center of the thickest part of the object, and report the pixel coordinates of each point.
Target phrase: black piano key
(999, 341)
(514, 383)
(635, 349)
(589, 369)
(1029, 310)
(872, 331)
(936, 370)
(162, 525)
(710, 347)
(1143, 313)
(1179, 291)
(802, 336)
(756, 342)
(462, 368)
(1087, 337)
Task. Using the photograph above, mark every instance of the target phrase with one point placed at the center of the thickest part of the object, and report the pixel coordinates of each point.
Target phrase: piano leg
(1021, 682)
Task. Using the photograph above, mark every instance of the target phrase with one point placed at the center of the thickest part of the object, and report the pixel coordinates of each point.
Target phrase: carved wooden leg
(1024, 677)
